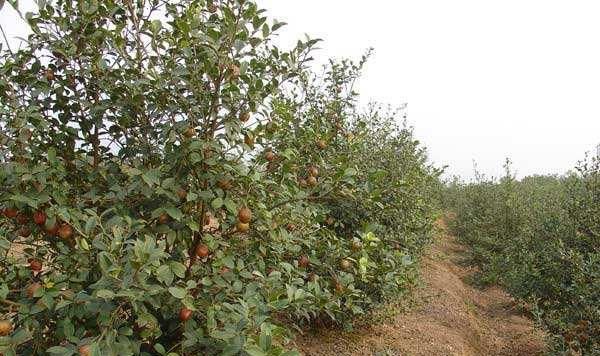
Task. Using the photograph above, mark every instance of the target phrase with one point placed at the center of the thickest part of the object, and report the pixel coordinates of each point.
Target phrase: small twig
(6, 40)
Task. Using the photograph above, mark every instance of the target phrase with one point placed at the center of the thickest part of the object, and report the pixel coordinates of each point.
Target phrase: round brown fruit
(190, 132)
(271, 127)
(313, 171)
(235, 71)
(65, 231)
(22, 219)
(163, 218)
(329, 221)
(312, 181)
(32, 289)
(35, 265)
(6, 327)
(242, 227)
(202, 251)
(182, 193)
(185, 314)
(321, 144)
(302, 182)
(11, 213)
(53, 230)
(39, 217)
(245, 116)
(249, 140)
(290, 227)
(345, 264)
(24, 231)
(270, 156)
(339, 288)
(224, 184)
(212, 8)
(245, 215)
(85, 350)
(49, 74)
(303, 262)
(356, 245)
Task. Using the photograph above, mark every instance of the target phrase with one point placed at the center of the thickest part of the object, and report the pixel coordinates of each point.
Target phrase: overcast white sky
(483, 80)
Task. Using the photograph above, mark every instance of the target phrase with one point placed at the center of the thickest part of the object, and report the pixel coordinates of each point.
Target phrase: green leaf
(349, 172)
(174, 213)
(230, 205)
(59, 350)
(160, 349)
(217, 203)
(177, 292)
(105, 294)
(255, 351)
(291, 353)
(156, 25)
(151, 177)
(164, 274)
(178, 268)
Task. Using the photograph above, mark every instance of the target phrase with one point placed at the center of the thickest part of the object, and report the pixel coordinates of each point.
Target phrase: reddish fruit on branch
(234, 71)
(242, 227)
(224, 184)
(35, 265)
(39, 217)
(10, 213)
(312, 181)
(185, 314)
(321, 144)
(339, 288)
(52, 230)
(346, 264)
(22, 219)
(212, 8)
(313, 171)
(190, 132)
(65, 231)
(6, 327)
(270, 156)
(249, 140)
(303, 262)
(85, 350)
(49, 75)
(245, 116)
(182, 193)
(245, 215)
(163, 218)
(202, 251)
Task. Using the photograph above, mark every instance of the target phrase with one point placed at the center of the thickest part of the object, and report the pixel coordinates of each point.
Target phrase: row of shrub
(539, 237)
(173, 183)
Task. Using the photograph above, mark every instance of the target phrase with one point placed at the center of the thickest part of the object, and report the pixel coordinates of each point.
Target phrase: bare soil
(451, 317)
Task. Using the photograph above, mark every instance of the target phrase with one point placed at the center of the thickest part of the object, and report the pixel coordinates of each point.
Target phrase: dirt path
(451, 318)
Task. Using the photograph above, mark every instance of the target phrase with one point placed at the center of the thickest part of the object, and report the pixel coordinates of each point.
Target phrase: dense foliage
(173, 183)
(540, 238)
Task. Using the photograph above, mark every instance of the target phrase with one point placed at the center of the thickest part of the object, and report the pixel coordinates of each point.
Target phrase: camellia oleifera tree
(538, 238)
(174, 183)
